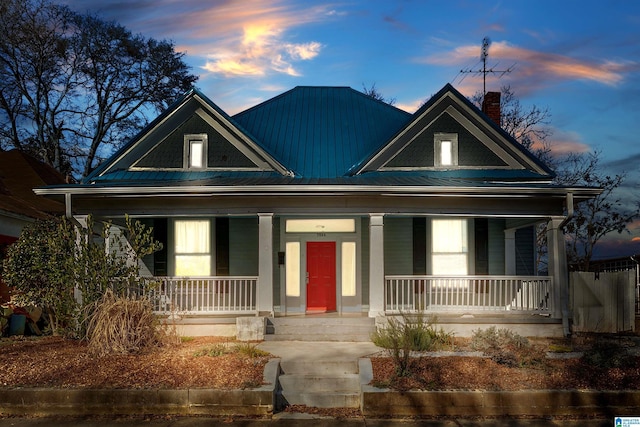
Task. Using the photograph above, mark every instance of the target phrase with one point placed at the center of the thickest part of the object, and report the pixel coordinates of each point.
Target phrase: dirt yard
(56, 362)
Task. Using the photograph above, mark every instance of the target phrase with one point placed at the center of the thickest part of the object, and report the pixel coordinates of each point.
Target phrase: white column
(557, 264)
(510, 252)
(376, 264)
(265, 263)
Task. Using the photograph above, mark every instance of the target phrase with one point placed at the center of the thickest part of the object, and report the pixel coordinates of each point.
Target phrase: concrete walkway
(308, 351)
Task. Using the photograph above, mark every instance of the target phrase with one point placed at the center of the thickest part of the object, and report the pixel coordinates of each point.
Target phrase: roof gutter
(279, 190)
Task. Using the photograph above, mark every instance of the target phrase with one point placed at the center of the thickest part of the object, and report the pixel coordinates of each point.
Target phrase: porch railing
(469, 293)
(204, 295)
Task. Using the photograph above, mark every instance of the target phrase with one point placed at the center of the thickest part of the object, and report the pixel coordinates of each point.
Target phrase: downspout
(570, 212)
(564, 295)
(67, 205)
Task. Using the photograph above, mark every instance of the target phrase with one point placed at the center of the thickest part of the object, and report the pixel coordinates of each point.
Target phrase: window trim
(465, 250)
(211, 253)
(189, 139)
(438, 139)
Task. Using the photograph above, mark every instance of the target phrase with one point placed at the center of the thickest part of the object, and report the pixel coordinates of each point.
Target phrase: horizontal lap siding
(398, 245)
(496, 246)
(243, 246)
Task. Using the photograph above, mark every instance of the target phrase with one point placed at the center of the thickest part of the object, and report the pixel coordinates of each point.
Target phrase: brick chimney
(491, 106)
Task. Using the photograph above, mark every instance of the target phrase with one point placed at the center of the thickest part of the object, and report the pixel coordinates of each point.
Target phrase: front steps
(321, 384)
(320, 328)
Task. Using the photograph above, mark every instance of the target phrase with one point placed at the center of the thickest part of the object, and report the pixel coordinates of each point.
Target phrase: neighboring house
(323, 199)
(19, 206)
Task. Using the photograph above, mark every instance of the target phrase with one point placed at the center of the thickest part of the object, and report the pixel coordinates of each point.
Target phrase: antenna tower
(484, 54)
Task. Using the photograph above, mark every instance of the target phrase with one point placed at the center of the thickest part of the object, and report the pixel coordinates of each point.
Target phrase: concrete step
(320, 383)
(318, 337)
(320, 400)
(347, 383)
(319, 368)
(311, 328)
(320, 391)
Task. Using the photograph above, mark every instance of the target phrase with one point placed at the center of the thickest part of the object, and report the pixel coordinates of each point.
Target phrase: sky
(578, 58)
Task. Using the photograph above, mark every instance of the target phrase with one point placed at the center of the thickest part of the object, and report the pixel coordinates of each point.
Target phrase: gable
(475, 142)
(419, 153)
(167, 145)
(169, 153)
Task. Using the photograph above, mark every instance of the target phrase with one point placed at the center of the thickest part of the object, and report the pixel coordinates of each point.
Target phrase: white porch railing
(204, 295)
(469, 293)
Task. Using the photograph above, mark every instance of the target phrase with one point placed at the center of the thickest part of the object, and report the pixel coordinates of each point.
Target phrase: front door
(321, 276)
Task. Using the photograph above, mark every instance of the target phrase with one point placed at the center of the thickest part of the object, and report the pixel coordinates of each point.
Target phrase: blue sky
(581, 59)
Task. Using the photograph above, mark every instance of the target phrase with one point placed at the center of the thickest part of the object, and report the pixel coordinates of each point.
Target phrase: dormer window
(195, 151)
(445, 149)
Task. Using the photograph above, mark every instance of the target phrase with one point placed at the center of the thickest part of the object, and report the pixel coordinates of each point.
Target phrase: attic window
(195, 151)
(445, 149)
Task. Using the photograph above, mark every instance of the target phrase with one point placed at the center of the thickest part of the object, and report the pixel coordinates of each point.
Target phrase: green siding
(398, 245)
(525, 251)
(169, 153)
(496, 246)
(243, 246)
(471, 152)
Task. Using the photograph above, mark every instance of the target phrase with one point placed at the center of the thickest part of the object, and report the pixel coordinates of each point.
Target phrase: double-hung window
(449, 247)
(192, 247)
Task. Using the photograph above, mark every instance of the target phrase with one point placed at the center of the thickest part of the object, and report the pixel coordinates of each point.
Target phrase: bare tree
(373, 92)
(529, 126)
(595, 218)
(73, 87)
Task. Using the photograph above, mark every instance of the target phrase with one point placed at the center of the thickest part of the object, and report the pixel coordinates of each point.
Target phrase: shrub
(52, 258)
(38, 267)
(409, 333)
(220, 349)
(215, 350)
(123, 325)
(607, 354)
(250, 350)
(505, 347)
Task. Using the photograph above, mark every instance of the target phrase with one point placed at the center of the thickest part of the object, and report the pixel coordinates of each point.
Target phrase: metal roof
(321, 132)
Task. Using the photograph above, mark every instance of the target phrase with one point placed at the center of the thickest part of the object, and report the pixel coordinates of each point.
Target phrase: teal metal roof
(321, 132)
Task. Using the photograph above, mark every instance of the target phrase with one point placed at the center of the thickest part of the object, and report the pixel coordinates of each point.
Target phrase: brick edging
(80, 402)
(384, 402)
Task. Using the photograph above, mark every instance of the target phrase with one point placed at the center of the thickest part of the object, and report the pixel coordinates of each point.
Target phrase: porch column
(376, 264)
(557, 264)
(510, 252)
(265, 263)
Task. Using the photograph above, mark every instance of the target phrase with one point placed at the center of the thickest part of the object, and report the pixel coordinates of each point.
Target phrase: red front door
(321, 273)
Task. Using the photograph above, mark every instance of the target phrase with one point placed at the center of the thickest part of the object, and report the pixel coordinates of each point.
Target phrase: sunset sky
(581, 59)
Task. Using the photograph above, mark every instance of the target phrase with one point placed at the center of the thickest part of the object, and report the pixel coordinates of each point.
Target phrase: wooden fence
(603, 302)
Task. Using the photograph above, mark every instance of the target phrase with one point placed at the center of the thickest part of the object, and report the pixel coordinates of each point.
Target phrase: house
(323, 199)
(19, 206)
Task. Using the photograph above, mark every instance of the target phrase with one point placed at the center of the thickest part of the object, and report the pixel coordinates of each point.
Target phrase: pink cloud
(248, 38)
(533, 69)
(564, 142)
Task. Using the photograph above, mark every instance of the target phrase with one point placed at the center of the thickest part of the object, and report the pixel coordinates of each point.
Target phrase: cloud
(563, 142)
(412, 106)
(534, 69)
(233, 38)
